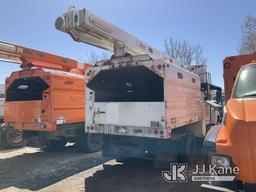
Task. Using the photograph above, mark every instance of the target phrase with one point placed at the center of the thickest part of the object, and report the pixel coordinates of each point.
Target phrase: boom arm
(33, 58)
(86, 27)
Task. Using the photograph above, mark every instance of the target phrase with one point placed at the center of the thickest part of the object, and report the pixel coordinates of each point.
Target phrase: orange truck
(233, 144)
(44, 101)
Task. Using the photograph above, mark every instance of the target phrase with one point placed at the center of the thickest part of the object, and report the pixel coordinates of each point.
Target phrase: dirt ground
(30, 169)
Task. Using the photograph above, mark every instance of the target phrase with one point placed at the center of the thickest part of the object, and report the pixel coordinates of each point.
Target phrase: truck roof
(231, 66)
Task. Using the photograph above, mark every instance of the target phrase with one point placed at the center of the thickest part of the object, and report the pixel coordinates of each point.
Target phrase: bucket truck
(44, 101)
(140, 100)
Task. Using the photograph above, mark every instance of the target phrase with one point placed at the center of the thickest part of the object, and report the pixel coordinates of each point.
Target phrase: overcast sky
(215, 24)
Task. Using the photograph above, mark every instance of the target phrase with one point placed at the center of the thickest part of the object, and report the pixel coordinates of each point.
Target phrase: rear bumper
(32, 126)
(212, 188)
(69, 132)
(139, 147)
(129, 131)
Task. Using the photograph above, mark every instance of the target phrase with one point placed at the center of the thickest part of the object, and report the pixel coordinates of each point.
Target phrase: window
(193, 80)
(180, 75)
(246, 82)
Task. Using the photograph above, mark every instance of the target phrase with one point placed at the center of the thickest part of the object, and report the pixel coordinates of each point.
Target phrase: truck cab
(235, 140)
(237, 137)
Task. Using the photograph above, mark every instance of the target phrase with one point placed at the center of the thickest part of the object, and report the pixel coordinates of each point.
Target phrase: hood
(242, 109)
(240, 135)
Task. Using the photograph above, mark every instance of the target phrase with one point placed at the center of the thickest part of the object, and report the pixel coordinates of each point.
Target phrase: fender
(211, 136)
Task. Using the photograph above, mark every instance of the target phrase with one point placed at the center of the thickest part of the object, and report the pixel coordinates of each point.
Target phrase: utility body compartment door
(140, 114)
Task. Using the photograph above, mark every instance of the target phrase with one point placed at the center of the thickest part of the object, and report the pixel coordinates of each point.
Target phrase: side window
(180, 75)
(193, 80)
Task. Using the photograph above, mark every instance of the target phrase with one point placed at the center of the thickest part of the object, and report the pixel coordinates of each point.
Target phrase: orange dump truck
(45, 101)
(233, 144)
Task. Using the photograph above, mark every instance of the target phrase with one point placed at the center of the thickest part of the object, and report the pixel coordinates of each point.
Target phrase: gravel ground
(30, 169)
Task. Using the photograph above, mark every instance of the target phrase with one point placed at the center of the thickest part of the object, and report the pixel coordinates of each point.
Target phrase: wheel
(11, 138)
(90, 143)
(189, 154)
(55, 145)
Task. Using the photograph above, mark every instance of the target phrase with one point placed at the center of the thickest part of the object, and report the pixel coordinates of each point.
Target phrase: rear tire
(55, 145)
(89, 143)
(11, 138)
(189, 154)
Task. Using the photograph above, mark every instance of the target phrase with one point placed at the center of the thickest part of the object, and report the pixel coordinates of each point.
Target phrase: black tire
(11, 138)
(89, 143)
(189, 152)
(54, 145)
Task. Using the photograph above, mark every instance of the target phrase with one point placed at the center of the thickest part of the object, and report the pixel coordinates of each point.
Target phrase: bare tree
(92, 57)
(198, 55)
(185, 53)
(248, 40)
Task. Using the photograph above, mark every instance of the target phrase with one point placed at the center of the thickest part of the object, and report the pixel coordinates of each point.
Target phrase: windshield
(246, 83)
